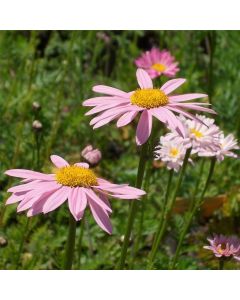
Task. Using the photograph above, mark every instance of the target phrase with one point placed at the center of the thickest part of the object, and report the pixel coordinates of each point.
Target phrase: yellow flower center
(149, 98)
(159, 67)
(197, 133)
(76, 176)
(222, 248)
(174, 152)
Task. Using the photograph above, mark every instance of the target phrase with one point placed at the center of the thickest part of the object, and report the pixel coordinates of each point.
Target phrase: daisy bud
(3, 242)
(91, 156)
(37, 125)
(36, 106)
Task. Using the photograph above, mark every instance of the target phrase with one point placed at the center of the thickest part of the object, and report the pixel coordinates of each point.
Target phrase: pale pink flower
(223, 246)
(91, 156)
(171, 152)
(226, 145)
(42, 193)
(158, 63)
(149, 101)
(200, 134)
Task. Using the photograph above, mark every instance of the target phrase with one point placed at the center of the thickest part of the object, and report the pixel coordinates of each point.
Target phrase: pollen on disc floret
(149, 98)
(76, 176)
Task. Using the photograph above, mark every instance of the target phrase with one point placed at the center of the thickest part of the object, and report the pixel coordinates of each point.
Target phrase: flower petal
(104, 89)
(186, 97)
(144, 128)
(172, 85)
(58, 161)
(56, 199)
(126, 118)
(21, 173)
(144, 80)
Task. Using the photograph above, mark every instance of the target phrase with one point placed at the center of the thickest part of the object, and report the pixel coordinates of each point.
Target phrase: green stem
(168, 208)
(79, 246)
(69, 254)
(23, 238)
(133, 206)
(221, 264)
(192, 212)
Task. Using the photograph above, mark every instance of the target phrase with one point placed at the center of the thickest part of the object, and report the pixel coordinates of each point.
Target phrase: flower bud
(91, 156)
(3, 242)
(37, 125)
(36, 106)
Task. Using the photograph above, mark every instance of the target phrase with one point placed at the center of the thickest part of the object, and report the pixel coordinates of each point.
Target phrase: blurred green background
(56, 71)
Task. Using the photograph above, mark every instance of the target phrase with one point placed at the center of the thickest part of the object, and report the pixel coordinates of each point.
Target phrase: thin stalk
(192, 212)
(221, 264)
(22, 241)
(69, 254)
(133, 205)
(211, 39)
(79, 246)
(168, 209)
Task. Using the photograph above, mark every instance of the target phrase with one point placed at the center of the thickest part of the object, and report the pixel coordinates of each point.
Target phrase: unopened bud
(3, 242)
(91, 156)
(36, 106)
(37, 125)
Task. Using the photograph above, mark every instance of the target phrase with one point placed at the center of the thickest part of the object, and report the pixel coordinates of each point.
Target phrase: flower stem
(166, 211)
(23, 238)
(69, 254)
(133, 205)
(192, 212)
(221, 264)
(79, 246)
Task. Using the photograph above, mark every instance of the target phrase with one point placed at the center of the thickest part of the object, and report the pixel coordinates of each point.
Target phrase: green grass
(57, 69)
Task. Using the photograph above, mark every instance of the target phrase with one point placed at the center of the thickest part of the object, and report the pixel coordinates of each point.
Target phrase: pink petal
(77, 202)
(83, 165)
(56, 199)
(93, 197)
(58, 161)
(14, 199)
(107, 100)
(144, 128)
(144, 80)
(21, 173)
(195, 107)
(126, 118)
(103, 89)
(101, 108)
(172, 85)
(101, 217)
(186, 97)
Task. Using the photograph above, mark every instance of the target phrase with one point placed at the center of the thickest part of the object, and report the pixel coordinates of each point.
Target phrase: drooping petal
(77, 202)
(99, 101)
(58, 161)
(14, 199)
(126, 118)
(144, 127)
(21, 173)
(101, 217)
(56, 199)
(172, 85)
(144, 80)
(93, 197)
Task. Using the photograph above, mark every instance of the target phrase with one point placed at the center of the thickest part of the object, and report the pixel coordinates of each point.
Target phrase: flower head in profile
(91, 155)
(226, 146)
(77, 184)
(158, 63)
(223, 246)
(171, 152)
(148, 101)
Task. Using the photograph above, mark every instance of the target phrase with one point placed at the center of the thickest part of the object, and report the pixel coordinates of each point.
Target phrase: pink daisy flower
(223, 246)
(148, 101)
(42, 193)
(158, 63)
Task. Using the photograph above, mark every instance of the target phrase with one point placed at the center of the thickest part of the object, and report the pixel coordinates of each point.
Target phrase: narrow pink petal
(77, 202)
(83, 165)
(14, 199)
(56, 199)
(144, 80)
(105, 121)
(172, 85)
(195, 107)
(58, 161)
(184, 113)
(101, 217)
(144, 128)
(186, 97)
(126, 118)
(103, 89)
(99, 101)
(21, 173)
(92, 196)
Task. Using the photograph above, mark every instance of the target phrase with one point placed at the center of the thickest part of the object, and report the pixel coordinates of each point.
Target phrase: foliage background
(57, 69)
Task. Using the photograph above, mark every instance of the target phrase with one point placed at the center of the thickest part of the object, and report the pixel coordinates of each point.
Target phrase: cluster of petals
(42, 193)
(171, 152)
(158, 62)
(223, 246)
(116, 104)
